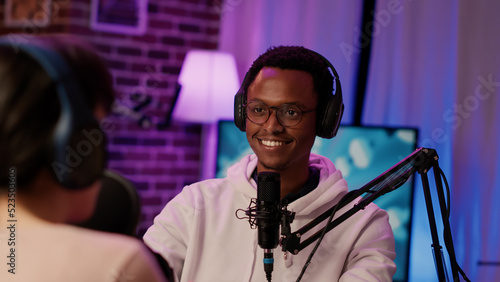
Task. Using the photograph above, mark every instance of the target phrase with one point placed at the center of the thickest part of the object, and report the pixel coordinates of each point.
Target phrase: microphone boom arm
(291, 241)
(421, 161)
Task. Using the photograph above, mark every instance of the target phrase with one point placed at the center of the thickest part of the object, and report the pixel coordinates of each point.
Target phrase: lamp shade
(209, 81)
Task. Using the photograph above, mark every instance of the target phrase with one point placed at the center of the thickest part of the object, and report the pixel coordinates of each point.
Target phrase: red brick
(171, 70)
(127, 81)
(166, 185)
(136, 156)
(177, 41)
(125, 141)
(141, 186)
(146, 38)
(129, 51)
(158, 54)
(174, 11)
(139, 67)
(167, 157)
(152, 171)
(153, 83)
(202, 44)
(124, 170)
(160, 24)
(189, 28)
(151, 201)
(209, 16)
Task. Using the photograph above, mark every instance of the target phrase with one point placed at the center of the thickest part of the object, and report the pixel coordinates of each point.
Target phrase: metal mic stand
(432, 161)
(421, 160)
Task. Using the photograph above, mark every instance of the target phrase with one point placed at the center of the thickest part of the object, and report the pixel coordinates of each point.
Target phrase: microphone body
(268, 221)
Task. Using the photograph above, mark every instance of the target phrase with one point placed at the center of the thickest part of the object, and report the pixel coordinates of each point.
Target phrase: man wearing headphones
(53, 91)
(286, 99)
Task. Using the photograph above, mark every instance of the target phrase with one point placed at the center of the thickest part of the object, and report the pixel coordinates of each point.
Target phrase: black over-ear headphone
(77, 151)
(327, 124)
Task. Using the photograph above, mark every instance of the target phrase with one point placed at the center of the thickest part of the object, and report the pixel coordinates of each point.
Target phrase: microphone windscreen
(268, 186)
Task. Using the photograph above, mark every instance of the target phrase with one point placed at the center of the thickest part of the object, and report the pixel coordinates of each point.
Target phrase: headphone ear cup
(239, 110)
(239, 106)
(79, 158)
(329, 123)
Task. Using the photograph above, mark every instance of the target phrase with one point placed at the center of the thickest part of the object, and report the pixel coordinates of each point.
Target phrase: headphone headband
(327, 124)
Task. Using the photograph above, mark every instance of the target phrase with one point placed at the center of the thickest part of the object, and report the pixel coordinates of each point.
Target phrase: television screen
(362, 153)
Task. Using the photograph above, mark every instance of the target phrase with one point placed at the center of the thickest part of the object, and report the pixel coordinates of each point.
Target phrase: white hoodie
(201, 238)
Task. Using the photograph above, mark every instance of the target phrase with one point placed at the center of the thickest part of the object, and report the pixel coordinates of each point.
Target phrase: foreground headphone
(77, 151)
(327, 124)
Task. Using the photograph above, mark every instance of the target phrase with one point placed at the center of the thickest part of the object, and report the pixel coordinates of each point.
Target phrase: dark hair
(295, 58)
(29, 105)
(88, 67)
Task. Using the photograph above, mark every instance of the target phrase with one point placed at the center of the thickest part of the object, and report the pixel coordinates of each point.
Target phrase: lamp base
(208, 150)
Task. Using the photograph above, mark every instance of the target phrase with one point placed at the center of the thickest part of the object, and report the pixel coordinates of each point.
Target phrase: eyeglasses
(288, 115)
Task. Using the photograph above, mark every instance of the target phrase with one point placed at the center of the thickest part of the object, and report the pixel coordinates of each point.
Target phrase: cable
(447, 231)
(325, 229)
(448, 197)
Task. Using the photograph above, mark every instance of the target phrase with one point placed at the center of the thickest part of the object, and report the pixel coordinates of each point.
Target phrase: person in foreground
(53, 91)
(286, 99)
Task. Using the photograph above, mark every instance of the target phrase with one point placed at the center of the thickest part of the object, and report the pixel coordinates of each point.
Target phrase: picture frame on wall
(27, 13)
(123, 17)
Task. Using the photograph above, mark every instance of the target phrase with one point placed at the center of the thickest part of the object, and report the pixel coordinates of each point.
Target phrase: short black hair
(296, 58)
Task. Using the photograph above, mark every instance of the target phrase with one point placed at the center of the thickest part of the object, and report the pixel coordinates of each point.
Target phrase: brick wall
(159, 161)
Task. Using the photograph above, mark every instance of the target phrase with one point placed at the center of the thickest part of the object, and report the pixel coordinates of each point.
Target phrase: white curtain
(434, 65)
(412, 82)
(476, 166)
(249, 28)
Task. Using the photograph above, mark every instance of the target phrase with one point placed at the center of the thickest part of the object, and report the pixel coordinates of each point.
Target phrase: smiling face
(279, 148)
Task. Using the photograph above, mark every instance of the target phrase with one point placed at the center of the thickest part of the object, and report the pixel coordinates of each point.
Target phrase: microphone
(268, 219)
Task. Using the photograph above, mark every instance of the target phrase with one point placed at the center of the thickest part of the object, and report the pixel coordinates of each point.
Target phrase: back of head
(87, 66)
(28, 112)
(30, 107)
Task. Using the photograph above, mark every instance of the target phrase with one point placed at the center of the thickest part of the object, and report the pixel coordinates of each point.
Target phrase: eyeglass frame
(276, 110)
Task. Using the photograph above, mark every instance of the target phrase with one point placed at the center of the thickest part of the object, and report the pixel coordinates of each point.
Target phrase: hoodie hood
(331, 183)
(240, 176)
